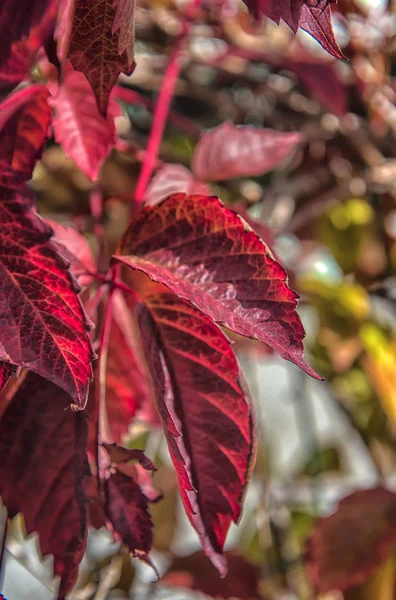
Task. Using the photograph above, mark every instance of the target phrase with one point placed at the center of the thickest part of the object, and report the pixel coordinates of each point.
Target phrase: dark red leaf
(78, 251)
(25, 26)
(85, 135)
(229, 151)
(124, 26)
(314, 16)
(172, 179)
(196, 573)
(24, 122)
(44, 326)
(348, 546)
(100, 59)
(118, 454)
(209, 256)
(6, 370)
(316, 20)
(126, 508)
(42, 467)
(321, 80)
(127, 388)
(205, 414)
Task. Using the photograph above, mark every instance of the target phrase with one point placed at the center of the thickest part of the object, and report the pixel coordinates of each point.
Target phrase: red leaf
(6, 370)
(43, 462)
(118, 454)
(127, 389)
(206, 417)
(24, 122)
(229, 151)
(85, 135)
(321, 80)
(209, 256)
(316, 20)
(172, 179)
(196, 573)
(314, 16)
(126, 508)
(124, 23)
(44, 326)
(25, 26)
(78, 251)
(348, 546)
(99, 59)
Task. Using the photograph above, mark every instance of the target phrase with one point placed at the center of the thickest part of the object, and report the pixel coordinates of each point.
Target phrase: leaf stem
(163, 104)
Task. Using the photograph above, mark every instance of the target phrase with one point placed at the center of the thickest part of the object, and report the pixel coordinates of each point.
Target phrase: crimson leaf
(126, 508)
(24, 122)
(6, 370)
(205, 415)
(196, 573)
(347, 547)
(209, 256)
(118, 454)
(100, 60)
(127, 390)
(25, 26)
(85, 135)
(44, 326)
(316, 20)
(229, 151)
(43, 450)
(74, 247)
(314, 16)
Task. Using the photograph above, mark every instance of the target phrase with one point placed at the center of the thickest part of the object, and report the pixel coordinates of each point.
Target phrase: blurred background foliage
(332, 210)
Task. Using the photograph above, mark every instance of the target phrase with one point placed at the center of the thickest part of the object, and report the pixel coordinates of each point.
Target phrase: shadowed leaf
(43, 450)
(85, 135)
(118, 454)
(124, 27)
(314, 16)
(44, 326)
(24, 122)
(78, 251)
(230, 151)
(206, 417)
(196, 573)
(126, 508)
(127, 388)
(209, 256)
(99, 60)
(6, 370)
(25, 26)
(347, 547)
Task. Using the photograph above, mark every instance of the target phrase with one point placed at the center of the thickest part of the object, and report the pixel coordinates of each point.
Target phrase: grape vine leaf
(127, 388)
(6, 370)
(25, 26)
(126, 508)
(124, 24)
(100, 59)
(347, 547)
(85, 135)
(44, 325)
(313, 16)
(75, 247)
(207, 255)
(43, 449)
(206, 416)
(234, 151)
(196, 573)
(25, 118)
